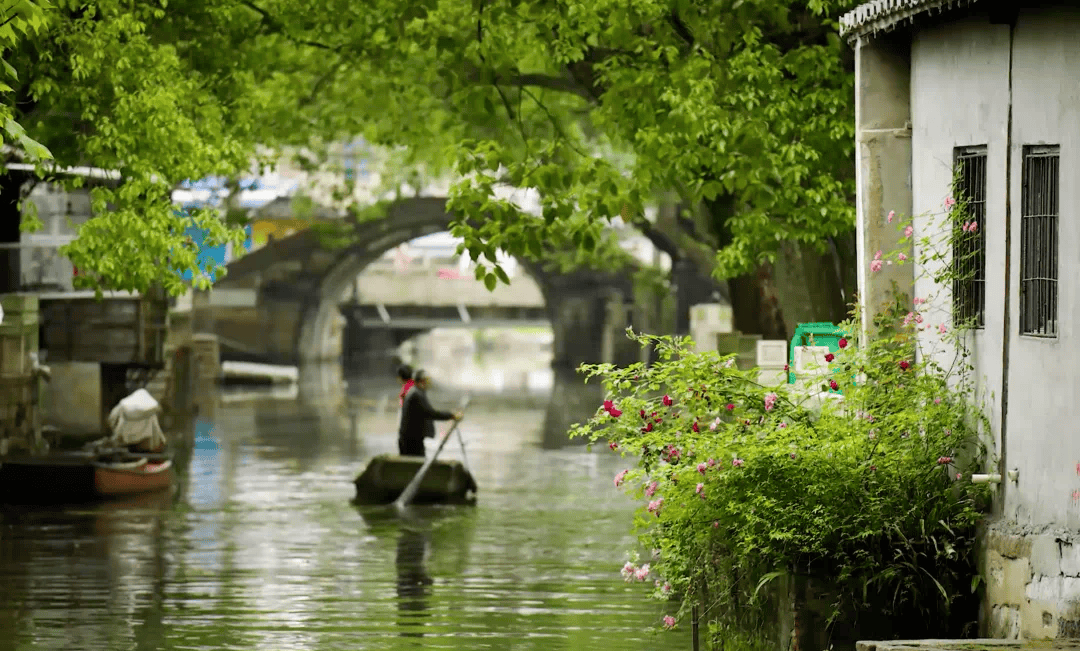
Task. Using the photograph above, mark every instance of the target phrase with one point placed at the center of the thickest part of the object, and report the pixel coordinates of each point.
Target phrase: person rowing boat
(418, 417)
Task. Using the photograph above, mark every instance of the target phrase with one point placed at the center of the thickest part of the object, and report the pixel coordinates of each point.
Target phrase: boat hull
(386, 476)
(122, 479)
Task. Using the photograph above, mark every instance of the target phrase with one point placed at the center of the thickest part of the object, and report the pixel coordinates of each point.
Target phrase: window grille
(1039, 242)
(969, 244)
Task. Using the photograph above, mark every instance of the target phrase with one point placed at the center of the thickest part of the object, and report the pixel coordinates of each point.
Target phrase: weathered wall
(961, 96)
(73, 398)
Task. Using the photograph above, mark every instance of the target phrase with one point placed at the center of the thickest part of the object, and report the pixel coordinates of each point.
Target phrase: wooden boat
(387, 475)
(132, 477)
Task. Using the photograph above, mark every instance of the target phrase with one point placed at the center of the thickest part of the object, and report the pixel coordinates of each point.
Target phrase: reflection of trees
(572, 402)
(413, 581)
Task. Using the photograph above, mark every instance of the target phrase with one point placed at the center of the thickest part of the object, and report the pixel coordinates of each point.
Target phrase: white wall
(960, 97)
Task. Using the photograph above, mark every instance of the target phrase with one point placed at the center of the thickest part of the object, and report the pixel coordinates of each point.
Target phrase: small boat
(132, 477)
(387, 475)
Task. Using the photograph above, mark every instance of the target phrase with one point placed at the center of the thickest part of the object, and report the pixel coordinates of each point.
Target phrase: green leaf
(490, 281)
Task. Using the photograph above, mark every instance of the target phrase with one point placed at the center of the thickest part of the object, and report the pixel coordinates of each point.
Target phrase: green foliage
(744, 110)
(123, 86)
(869, 491)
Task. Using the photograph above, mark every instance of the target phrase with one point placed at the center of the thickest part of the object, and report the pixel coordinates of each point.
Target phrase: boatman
(418, 417)
(404, 374)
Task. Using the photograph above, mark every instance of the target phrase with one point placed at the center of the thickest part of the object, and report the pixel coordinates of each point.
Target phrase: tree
(740, 114)
(134, 88)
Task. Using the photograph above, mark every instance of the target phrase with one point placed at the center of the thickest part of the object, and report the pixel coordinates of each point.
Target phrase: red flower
(731, 406)
(667, 401)
(608, 405)
(643, 416)
(786, 368)
(647, 428)
(615, 413)
(829, 357)
(842, 343)
(613, 445)
(833, 385)
(695, 427)
(659, 420)
(904, 365)
(873, 468)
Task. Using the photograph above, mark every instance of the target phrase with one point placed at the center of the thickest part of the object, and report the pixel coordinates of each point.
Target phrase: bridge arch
(405, 221)
(299, 285)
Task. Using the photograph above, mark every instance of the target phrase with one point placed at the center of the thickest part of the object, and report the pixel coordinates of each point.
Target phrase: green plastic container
(821, 333)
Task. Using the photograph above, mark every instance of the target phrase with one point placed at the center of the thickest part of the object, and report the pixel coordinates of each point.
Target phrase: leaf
(490, 281)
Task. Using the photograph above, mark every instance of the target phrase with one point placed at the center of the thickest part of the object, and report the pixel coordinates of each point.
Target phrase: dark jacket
(417, 422)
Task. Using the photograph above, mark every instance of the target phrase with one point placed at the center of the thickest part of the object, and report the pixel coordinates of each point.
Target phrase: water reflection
(261, 549)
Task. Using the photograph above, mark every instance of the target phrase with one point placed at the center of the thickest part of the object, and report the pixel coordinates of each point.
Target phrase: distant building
(991, 89)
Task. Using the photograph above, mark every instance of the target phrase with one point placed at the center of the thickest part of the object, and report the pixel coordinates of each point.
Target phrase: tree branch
(275, 26)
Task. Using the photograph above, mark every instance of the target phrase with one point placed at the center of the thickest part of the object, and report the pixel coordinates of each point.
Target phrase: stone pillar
(883, 164)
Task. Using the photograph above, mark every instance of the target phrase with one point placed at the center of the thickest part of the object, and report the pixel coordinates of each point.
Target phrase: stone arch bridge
(279, 304)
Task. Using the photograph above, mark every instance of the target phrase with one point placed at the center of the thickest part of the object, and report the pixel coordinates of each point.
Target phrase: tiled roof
(884, 15)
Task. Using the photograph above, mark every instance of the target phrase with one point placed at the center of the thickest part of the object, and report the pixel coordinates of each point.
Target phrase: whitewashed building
(992, 88)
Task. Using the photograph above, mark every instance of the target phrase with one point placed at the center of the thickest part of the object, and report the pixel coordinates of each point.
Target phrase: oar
(461, 438)
(410, 491)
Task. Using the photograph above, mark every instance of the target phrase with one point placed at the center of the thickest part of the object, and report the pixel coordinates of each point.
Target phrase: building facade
(988, 94)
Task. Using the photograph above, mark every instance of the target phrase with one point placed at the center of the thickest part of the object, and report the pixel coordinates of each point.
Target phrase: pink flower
(908, 231)
(702, 467)
(620, 478)
(737, 462)
(941, 328)
(628, 570)
(944, 460)
(651, 489)
(949, 202)
(642, 572)
(875, 265)
(937, 401)
(918, 301)
(667, 401)
(655, 506)
(666, 588)
(958, 475)
(792, 455)
(973, 226)
(715, 424)
(770, 401)
(700, 489)
(890, 216)
(877, 256)
(901, 257)
(613, 445)
(669, 621)
(715, 525)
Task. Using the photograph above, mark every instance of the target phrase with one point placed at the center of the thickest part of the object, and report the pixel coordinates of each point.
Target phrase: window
(1039, 242)
(969, 246)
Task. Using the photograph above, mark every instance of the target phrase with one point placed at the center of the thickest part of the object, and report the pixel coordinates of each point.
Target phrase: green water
(260, 548)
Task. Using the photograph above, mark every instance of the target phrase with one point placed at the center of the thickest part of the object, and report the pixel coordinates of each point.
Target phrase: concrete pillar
(883, 165)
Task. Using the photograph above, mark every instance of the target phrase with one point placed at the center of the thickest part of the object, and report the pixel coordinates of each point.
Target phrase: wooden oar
(410, 491)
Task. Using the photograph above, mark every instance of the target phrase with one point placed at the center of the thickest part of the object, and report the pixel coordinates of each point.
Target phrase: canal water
(260, 547)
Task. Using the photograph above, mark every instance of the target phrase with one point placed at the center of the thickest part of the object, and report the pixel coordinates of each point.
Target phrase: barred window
(969, 243)
(1039, 242)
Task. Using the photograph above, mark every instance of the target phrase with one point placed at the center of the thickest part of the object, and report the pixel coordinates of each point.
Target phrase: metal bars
(969, 241)
(1039, 241)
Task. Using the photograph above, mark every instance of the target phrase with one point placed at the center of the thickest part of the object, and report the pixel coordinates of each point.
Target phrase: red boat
(132, 477)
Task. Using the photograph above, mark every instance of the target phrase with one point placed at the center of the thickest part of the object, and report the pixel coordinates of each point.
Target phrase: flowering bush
(744, 483)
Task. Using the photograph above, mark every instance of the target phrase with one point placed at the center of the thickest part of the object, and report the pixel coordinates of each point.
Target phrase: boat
(387, 475)
(124, 478)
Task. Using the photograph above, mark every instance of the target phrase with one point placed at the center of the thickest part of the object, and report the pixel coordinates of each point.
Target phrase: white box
(772, 353)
